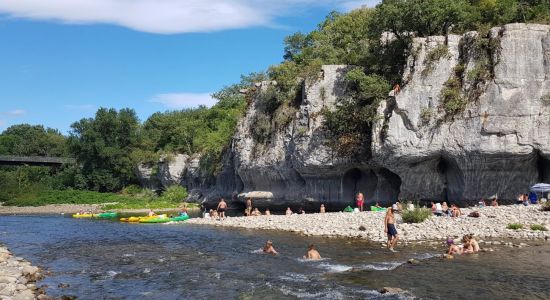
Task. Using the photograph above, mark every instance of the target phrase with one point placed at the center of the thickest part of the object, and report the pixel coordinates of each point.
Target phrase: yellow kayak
(84, 215)
(141, 219)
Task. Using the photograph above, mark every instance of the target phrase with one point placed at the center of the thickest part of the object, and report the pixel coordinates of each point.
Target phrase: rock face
(176, 169)
(499, 144)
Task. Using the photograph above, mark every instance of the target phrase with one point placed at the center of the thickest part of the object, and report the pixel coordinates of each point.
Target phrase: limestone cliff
(498, 143)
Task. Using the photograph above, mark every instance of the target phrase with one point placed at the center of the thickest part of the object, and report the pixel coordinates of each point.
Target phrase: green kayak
(374, 208)
(164, 220)
(107, 215)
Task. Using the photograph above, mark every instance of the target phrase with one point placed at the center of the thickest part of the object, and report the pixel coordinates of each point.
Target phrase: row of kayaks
(144, 219)
(155, 219)
(105, 215)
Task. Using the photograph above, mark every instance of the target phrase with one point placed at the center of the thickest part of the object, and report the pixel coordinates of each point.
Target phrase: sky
(62, 60)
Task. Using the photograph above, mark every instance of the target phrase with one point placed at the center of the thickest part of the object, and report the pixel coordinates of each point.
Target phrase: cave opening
(453, 180)
(389, 186)
(355, 181)
(543, 168)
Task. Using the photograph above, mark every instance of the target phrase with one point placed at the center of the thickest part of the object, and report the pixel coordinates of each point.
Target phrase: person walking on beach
(312, 254)
(360, 201)
(222, 207)
(390, 230)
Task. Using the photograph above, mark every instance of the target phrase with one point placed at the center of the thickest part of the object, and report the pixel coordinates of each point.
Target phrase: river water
(111, 260)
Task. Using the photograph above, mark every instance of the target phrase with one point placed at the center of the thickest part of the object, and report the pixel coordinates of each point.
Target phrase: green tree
(32, 140)
(103, 146)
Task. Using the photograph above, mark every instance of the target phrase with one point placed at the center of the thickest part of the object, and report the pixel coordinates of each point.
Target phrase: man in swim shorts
(222, 207)
(389, 229)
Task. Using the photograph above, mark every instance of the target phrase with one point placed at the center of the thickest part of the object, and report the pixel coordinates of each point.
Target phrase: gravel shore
(370, 225)
(17, 277)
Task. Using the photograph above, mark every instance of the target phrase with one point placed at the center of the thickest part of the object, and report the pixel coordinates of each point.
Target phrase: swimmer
(453, 249)
(256, 212)
(268, 248)
(312, 254)
(322, 209)
(267, 212)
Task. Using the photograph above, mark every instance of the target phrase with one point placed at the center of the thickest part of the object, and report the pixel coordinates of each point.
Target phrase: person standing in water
(390, 230)
(222, 207)
(312, 254)
(360, 201)
(322, 209)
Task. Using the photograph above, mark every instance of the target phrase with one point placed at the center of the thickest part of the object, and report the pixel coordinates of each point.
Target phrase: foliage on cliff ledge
(349, 125)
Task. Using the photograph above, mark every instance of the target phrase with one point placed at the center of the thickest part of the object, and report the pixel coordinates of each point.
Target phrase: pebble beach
(18, 277)
(369, 225)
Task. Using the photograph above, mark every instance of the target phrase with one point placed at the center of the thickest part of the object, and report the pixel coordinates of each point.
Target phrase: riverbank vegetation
(376, 41)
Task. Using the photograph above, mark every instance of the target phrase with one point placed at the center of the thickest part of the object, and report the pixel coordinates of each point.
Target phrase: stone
(29, 270)
(362, 228)
(391, 290)
(8, 279)
(24, 295)
(44, 297)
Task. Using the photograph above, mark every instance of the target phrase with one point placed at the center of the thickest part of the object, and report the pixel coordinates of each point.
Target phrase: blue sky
(60, 60)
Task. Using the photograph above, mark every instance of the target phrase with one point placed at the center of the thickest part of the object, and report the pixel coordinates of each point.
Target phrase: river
(111, 260)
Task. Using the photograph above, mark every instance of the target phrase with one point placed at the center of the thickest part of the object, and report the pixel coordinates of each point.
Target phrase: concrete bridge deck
(9, 160)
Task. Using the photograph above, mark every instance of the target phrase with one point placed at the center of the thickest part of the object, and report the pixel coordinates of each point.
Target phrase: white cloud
(165, 16)
(353, 4)
(80, 106)
(14, 113)
(184, 100)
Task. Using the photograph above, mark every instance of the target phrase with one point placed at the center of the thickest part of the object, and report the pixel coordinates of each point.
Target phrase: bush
(545, 206)
(434, 55)
(538, 227)
(174, 193)
(426, 116)
(514, 226)
(416, 215)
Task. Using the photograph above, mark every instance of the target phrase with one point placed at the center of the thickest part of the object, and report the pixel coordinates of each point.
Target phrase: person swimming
(311, 253)
(268, 248)
(453, 249)
(322, 209)
(267, 212)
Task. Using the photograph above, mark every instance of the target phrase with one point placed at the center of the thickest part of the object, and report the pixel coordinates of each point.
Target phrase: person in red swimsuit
(359, 201)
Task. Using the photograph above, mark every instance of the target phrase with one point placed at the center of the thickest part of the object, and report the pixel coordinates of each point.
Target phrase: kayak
(165, 219)
(142, 219)
(80, 216)
(374, 208)
(106, 215)
(179, 218)
(130, 219)
(155, 219)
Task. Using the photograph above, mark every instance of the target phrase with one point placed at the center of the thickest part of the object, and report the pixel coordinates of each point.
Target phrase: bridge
(9, 160)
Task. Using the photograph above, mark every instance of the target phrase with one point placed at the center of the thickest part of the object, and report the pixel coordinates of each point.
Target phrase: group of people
(442, 209)
(468, 245)
(311, 254)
